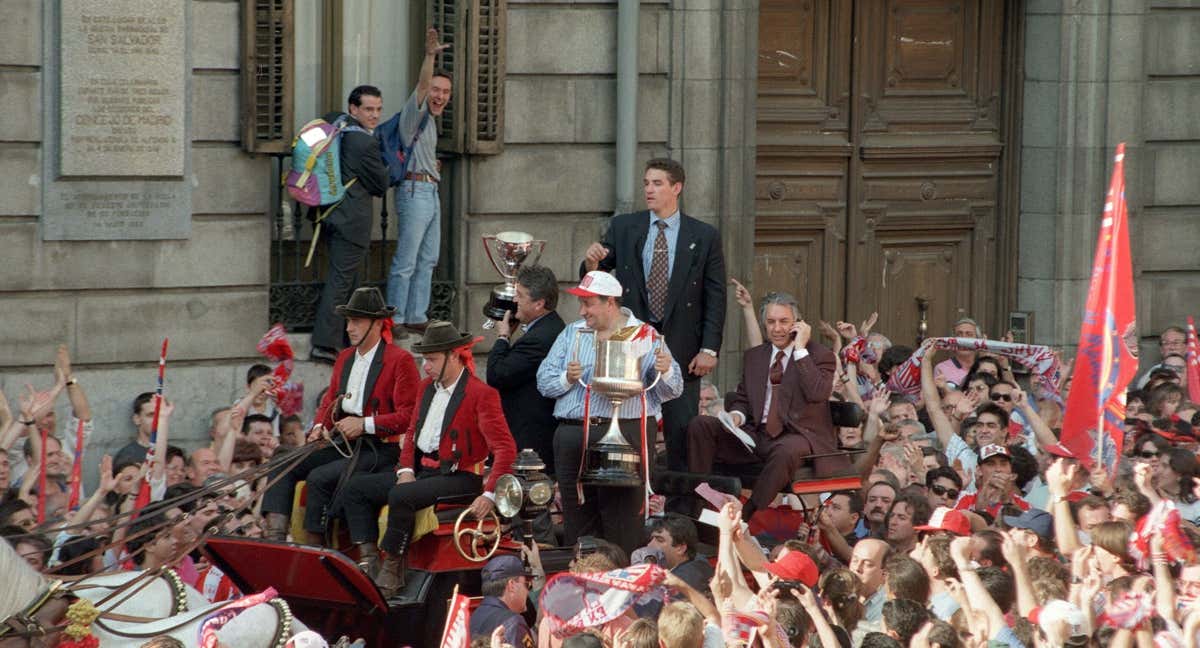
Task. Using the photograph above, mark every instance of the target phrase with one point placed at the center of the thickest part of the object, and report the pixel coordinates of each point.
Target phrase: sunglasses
(942, 491)
(997, 396)
(1148, 454)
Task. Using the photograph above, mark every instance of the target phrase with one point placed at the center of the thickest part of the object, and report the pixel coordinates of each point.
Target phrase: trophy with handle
(617, 375)
(508, 251)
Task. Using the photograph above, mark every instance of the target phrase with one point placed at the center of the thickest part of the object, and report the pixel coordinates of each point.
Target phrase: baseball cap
(503, 568)
(993, 450)
(597, 283)
(796, 566)
(1035, 520)
(947, 519)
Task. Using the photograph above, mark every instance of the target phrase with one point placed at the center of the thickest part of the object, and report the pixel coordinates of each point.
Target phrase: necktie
(774, 420)
(656, 283)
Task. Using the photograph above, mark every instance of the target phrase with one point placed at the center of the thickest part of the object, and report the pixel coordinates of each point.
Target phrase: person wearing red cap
(794, 566)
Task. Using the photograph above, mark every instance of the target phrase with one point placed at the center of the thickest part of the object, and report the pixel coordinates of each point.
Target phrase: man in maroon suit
(782, 404)
(371, 396)
(460, 424)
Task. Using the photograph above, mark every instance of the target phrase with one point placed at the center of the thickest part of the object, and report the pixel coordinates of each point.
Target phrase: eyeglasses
(941, 491)
(998, 396)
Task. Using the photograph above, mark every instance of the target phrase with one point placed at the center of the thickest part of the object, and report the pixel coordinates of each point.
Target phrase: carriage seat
(444, 511)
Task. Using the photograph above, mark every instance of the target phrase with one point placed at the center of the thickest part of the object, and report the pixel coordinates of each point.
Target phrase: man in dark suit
(674, 278)
(346, 231)
(372, 393)
(782, 404)
(459, 425)
(512, 366)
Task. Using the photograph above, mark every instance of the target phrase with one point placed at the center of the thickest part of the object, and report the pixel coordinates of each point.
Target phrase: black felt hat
(441, 336)
(366, 302)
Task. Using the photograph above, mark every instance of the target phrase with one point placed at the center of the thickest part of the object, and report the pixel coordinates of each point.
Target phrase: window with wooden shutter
(267, 69)
(473, 122)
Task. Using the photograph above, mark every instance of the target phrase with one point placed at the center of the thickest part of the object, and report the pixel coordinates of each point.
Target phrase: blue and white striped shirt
(552, 377)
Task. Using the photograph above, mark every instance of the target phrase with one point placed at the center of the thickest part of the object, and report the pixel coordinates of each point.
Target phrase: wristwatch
(709, 352)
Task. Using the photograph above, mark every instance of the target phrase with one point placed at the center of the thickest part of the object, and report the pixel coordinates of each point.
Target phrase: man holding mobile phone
(782, 405)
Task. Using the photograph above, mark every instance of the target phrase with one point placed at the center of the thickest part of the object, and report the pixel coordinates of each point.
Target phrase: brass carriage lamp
(526, 492)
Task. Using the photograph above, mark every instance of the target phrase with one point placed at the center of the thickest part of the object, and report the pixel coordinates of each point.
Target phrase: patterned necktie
(774, 421)
(656, 283)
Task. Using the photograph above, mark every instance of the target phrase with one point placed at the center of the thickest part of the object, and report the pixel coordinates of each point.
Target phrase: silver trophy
(617, 375)
(507, 251)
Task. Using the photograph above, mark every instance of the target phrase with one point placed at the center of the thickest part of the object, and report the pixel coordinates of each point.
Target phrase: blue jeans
(418, 240)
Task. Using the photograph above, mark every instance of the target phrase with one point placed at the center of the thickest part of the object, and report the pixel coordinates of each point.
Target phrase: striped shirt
(552, 377)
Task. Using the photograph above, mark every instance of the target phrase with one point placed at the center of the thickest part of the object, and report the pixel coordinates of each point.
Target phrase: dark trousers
(321, 471)
(677, 414)
(709, 442)
(609, 512)
(366, 495)
(341, 277)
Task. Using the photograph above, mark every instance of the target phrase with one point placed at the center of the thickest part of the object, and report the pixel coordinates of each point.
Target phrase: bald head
(867, 562)
(201, 464)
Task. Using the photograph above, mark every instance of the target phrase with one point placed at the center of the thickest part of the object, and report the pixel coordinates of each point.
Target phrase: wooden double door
(883, 133)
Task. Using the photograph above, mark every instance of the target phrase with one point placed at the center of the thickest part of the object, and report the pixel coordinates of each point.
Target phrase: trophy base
(610, 464)
(499, 304)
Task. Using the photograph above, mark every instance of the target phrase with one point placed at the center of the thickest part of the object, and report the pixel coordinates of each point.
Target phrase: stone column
(1082, 95)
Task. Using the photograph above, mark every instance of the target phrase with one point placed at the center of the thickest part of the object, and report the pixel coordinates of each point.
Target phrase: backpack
(315, 178)
(395, 155)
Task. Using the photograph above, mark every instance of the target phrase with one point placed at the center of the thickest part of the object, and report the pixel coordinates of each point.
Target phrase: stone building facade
(1092, 73)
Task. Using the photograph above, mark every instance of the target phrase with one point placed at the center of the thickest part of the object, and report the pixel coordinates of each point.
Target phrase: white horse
(259, 626)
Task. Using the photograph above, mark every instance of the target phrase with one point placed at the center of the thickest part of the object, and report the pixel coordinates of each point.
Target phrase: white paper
(727, 421)
(312, 137)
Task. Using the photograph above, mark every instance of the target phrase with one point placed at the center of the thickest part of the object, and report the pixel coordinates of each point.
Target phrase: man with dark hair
(505, 592)
(418, 204)
(902, 619)
(143, 422)
(908, 511)
(512, 366)
(346, 229)
(907, 579)
(838, 522)
(943, 485)
(677, 537)
(673, 271)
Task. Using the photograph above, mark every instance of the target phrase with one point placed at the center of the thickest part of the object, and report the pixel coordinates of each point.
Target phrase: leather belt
(420, 177)
(596, 420)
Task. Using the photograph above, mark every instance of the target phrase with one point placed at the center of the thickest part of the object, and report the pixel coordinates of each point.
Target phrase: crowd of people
(966, 522)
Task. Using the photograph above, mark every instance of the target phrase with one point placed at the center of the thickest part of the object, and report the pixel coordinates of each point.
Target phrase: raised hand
(741, 294)
(847, 330)
(828, 331)
(593, 256)
(868, 324)
(879, 402)
(432, 44)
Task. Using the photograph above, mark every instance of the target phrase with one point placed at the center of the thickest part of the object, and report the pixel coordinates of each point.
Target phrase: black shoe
(418, 327)
(321, 354)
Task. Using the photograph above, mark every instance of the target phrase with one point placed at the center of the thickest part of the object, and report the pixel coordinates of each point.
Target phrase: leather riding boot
(276, 527)
(368, 558)
(391, 576)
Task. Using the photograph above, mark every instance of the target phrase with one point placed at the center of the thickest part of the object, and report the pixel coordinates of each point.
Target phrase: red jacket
(473, 428)
(391, 382)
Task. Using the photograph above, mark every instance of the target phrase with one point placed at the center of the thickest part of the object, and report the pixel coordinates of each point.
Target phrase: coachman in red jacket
(370, 401)
(459, 424)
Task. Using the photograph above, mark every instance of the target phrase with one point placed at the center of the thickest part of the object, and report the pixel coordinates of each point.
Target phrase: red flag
(458, 622)
(76, 469)
(1193, 362)
(1093, 424)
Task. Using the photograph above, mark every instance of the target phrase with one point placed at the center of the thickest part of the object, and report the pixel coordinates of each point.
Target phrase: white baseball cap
(597, 283)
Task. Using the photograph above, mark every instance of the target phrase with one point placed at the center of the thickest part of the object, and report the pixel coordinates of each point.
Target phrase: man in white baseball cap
(610, 512)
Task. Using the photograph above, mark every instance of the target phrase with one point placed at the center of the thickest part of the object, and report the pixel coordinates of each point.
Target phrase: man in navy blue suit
(673, 271)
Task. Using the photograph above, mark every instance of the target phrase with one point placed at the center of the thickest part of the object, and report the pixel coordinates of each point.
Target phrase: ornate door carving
(892, 195)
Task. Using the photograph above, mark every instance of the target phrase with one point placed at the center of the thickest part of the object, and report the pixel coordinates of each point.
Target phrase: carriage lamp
(525, 492)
